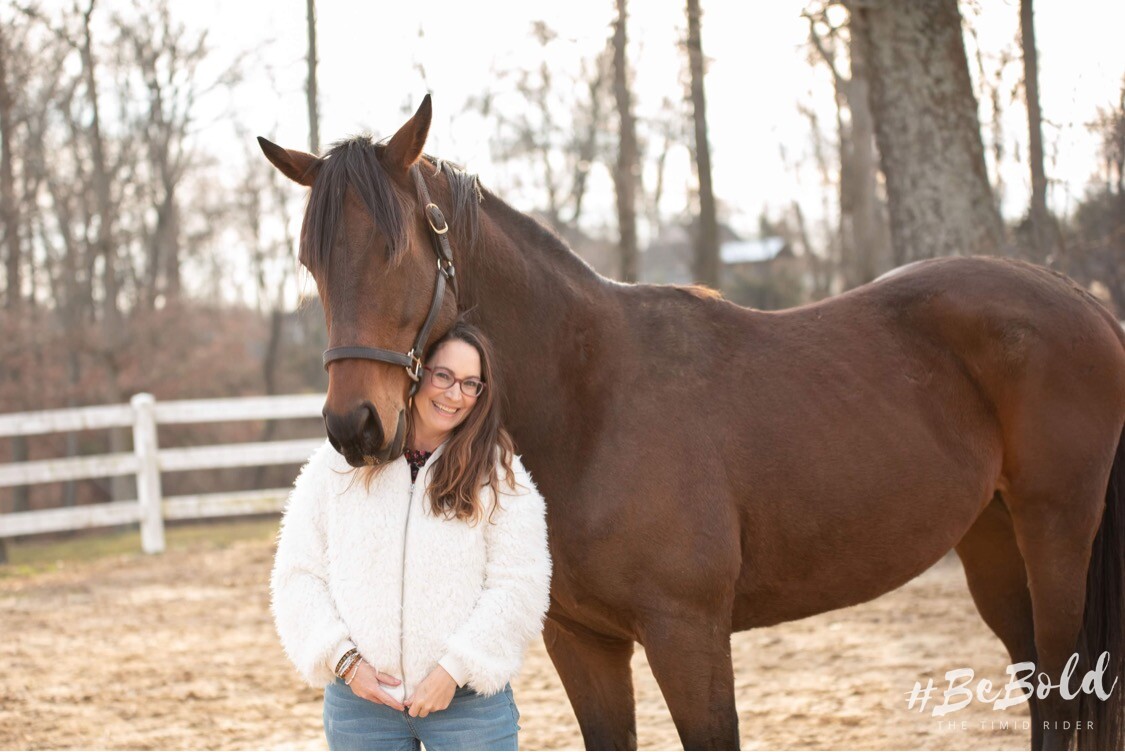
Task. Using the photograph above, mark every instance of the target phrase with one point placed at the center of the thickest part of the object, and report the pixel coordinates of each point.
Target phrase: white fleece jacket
(379, 572)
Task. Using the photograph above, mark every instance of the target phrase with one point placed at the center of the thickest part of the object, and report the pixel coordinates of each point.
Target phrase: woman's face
(438, 411)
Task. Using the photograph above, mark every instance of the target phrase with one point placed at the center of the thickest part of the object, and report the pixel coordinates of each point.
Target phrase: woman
(410, 590)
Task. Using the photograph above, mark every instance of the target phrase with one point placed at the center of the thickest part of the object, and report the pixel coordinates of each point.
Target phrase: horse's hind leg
(1056, 518)
(997, 579)
(598, 678)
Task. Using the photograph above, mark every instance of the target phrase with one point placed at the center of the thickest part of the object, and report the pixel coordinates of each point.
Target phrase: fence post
(148, 473)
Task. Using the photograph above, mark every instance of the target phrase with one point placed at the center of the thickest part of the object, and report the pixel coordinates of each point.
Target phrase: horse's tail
(1102, 722)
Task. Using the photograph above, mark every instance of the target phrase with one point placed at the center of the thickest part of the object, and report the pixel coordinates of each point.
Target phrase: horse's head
(364, 240)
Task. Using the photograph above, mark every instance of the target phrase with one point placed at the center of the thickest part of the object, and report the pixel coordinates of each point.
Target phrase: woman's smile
(445, 410)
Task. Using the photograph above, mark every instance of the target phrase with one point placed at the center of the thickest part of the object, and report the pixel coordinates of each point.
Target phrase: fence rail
(147, 461)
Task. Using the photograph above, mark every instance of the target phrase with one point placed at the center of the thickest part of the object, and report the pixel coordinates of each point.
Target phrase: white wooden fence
(147, 461)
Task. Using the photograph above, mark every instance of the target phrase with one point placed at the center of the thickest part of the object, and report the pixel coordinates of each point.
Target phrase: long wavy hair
(477, 450)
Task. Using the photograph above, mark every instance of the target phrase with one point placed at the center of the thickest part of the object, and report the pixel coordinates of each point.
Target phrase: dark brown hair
(476, 449)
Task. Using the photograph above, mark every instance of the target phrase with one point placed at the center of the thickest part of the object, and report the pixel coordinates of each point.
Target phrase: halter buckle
(414, 370)
(434, 213)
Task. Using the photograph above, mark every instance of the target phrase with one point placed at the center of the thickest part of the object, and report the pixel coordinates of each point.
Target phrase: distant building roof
(748, 251)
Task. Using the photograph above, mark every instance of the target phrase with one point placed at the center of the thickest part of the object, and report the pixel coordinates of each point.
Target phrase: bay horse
(710, 468)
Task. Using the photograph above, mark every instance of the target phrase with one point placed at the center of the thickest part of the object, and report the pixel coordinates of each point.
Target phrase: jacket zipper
(402, 597)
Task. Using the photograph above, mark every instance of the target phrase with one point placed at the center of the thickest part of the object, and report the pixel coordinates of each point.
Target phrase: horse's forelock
(355, 163)
(352, 163)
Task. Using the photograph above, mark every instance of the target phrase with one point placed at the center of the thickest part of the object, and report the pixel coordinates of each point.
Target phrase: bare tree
(106, 236)
(832, 256)
(28, 81)
(310, 88)
(105, 189)
(559, 134)
(927, 129)
(628, 167)
(668, 128)
(706, 268)
(9, 208)
(167, 57)
(1110, 128)
(79, 237)
(865, 243)
(1095, 244)
(588, 125)
(1044, 232)
(265, 206)
(103, 174)
(10, 217)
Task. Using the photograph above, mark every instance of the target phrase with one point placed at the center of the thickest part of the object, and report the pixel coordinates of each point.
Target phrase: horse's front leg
(689, 653)
(596, 673)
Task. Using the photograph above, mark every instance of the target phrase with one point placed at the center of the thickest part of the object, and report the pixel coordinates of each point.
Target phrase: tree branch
(829, 59)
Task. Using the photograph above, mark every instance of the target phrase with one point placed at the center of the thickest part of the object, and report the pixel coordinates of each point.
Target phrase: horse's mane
(354, 163)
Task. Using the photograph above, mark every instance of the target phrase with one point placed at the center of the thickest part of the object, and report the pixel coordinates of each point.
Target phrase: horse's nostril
(371, 430)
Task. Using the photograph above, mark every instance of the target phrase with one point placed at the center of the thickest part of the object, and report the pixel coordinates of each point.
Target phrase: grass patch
(47, 554)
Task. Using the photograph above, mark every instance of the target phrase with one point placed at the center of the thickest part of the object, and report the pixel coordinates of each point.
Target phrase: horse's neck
(541, 306)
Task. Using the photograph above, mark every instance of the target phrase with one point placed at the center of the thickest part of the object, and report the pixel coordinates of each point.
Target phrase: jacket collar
(436, 453)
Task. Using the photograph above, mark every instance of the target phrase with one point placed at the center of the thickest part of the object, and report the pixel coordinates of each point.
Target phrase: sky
(757, 78)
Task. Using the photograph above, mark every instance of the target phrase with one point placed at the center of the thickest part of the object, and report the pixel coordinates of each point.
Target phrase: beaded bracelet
(345, 661)
(352, 660)
(355, 671)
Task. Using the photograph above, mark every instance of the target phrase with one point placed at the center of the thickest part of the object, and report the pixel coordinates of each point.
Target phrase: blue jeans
(472, 721)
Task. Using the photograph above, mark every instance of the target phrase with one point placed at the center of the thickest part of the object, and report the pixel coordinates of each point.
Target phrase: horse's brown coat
(710, 468)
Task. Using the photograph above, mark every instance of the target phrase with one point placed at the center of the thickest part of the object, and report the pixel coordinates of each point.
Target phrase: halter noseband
(412, 360)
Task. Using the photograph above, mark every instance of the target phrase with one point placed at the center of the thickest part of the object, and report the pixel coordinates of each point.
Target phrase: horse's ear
(298, 166)
(405, 147)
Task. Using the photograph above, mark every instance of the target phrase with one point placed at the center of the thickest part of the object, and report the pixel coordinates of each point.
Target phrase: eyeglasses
(443, 379)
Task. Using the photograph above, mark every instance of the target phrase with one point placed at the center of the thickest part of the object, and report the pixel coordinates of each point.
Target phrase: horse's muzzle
(358, 436)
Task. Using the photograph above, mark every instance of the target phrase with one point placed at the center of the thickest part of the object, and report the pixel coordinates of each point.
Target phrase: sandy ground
(178, 652)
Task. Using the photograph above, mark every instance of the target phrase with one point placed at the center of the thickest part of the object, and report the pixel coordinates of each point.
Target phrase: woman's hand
(433, 694)
(366, 683)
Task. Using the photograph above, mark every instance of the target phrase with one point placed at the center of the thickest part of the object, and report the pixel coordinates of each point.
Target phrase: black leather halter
(439, 238)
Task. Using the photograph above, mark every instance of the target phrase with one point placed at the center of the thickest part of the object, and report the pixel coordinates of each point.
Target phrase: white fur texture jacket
(376, 570)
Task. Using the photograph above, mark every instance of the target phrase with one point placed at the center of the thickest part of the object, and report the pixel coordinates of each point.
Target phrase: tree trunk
(707, 238)
(169, 234)
(269, 379)
(625, 177)
(1042, 227)
(8, 205)
(314, 113)
(73, 376)
(11, 221)
(111, 323)
(927, 129)
(21, 495)
(869, 233)
(104, 246)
